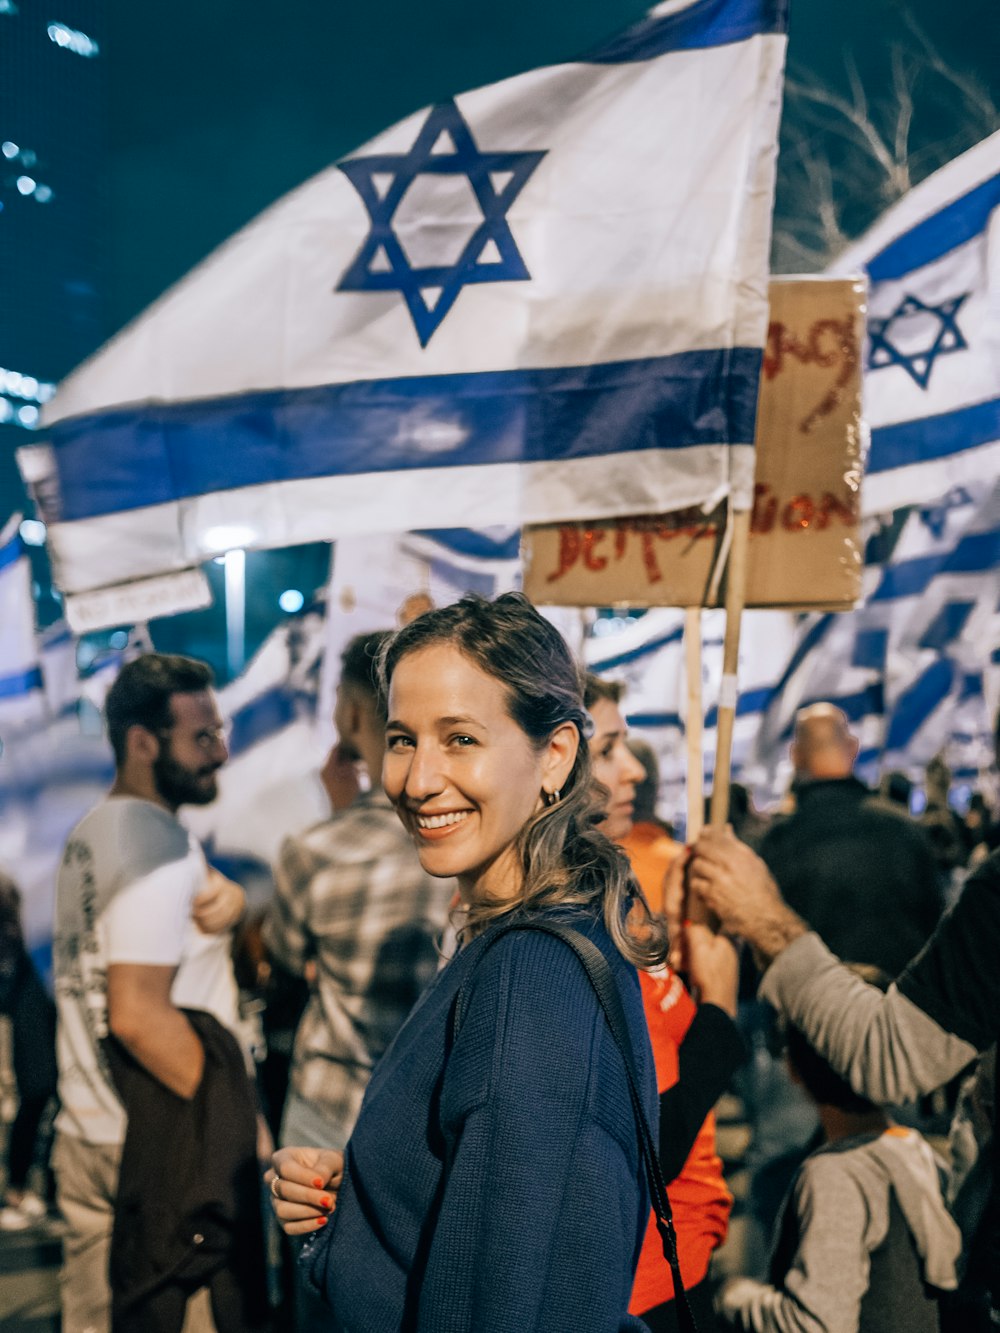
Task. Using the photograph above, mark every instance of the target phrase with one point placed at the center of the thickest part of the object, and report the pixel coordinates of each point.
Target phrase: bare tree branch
(843, 154)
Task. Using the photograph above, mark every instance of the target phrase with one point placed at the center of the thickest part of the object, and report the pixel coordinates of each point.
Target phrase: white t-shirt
(128, 877)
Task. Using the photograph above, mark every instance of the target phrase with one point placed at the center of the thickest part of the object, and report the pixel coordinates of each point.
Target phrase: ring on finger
(274, 1189)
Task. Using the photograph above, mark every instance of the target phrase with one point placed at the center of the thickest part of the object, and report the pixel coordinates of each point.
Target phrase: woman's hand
(713, 966)
(303, 1183)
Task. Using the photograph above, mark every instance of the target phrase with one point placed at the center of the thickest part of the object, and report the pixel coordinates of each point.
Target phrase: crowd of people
(502, 1001)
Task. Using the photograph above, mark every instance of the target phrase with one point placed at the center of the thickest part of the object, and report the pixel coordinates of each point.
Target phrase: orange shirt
(699, 1199)
(650, 851)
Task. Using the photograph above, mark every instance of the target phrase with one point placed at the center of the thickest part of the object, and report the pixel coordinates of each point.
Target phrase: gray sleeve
(883, 1044)
(146, 838)
(829, 1274)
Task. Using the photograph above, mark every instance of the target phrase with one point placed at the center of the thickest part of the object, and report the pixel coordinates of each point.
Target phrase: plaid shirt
(353, 896)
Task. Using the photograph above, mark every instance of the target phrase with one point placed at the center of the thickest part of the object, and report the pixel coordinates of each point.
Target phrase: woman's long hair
(564, 858)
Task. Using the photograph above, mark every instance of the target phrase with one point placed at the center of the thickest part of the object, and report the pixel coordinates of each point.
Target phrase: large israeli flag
(932, 372)
(542, 300)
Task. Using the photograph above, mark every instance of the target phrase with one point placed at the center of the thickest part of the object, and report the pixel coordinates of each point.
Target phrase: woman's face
(615, 766)
(463, 776)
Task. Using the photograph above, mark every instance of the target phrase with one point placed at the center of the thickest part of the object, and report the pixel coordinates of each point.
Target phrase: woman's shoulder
(523, 960)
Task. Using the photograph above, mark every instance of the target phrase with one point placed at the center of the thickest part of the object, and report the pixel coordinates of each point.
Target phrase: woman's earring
(553, 797)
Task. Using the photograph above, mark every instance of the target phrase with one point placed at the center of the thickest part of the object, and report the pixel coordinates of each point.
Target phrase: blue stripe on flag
(705, 23)
(972, 687)
(935, 236)
(157, 453)
(12, 552)
(916, 705)
(750, 701)
(635, 654)
(870, 649)
(811, 640)
(654, 720)
(264, 716)
(20, 682)
(472, 542)
(946, 626)
(928, 438)
(480, 582)
(974, 554)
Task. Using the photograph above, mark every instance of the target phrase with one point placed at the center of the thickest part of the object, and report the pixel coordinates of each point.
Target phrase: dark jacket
(496, 1184)
(188, 1210)
(863, 876)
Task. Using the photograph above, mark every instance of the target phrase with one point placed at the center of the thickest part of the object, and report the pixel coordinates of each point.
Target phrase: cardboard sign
(805, 548)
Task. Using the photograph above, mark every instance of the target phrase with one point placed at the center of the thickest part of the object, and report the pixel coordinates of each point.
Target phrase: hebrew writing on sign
(805, 548)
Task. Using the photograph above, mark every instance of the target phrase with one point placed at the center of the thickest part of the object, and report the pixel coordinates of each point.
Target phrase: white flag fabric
(648, 656)
(22, 697)
(932, 372)
(542, 300)
(915, 667)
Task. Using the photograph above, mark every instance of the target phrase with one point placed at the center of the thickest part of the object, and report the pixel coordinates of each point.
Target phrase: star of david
(444, 147)
(940, 341)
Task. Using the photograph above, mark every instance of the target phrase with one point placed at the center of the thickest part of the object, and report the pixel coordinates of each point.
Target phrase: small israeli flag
(932, 374)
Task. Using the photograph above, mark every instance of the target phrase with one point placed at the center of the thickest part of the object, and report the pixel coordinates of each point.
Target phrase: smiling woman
(494, 1179)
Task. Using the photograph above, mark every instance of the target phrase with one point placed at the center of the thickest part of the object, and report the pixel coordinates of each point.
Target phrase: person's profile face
(463, 776)
(614, 766)
(345, 714)
(191, 752)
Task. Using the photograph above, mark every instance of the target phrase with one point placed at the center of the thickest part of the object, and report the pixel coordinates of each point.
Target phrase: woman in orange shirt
(696, 1048)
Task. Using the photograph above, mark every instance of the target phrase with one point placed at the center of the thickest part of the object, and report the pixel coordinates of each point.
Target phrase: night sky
(215, 109)
(218, 109)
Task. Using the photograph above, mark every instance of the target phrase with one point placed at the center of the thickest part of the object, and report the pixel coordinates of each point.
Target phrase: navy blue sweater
(498, 1187)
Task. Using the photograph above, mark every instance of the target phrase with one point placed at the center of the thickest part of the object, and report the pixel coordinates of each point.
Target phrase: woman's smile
(462, 774)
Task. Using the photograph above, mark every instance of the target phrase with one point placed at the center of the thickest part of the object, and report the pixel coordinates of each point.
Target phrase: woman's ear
(560, 756)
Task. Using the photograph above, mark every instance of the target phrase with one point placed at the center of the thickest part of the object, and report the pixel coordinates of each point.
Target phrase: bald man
(861, 874)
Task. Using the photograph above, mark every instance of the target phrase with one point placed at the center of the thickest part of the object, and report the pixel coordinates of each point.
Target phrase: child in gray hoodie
(864, 1239)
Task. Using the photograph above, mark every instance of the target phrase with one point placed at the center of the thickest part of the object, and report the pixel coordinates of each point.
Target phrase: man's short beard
(179, 785)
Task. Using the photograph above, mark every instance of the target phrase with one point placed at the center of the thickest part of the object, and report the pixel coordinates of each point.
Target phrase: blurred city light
(291, 600)
(71, 40)
(227, 537)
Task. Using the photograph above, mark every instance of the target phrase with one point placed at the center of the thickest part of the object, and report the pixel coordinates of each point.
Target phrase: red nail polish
(326, 1202)
(318, 1183)
(322, 1221)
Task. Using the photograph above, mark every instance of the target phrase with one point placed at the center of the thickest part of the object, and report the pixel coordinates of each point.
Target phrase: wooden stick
(736, 587)
(694, 729)
(693, 723)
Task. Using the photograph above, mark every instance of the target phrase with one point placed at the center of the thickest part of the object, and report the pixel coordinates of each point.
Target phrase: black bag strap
(602, 980)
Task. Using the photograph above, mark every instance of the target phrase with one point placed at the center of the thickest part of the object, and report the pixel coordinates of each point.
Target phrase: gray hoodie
(841, 1201)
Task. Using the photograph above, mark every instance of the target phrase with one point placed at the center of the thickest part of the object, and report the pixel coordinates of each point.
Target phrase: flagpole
(694, 723)
(736, 587)
(234, 565)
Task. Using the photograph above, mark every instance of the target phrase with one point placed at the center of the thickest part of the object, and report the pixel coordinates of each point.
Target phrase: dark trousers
(23, 1138)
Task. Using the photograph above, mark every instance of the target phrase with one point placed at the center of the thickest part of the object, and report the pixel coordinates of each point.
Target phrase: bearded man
(155, 1157)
